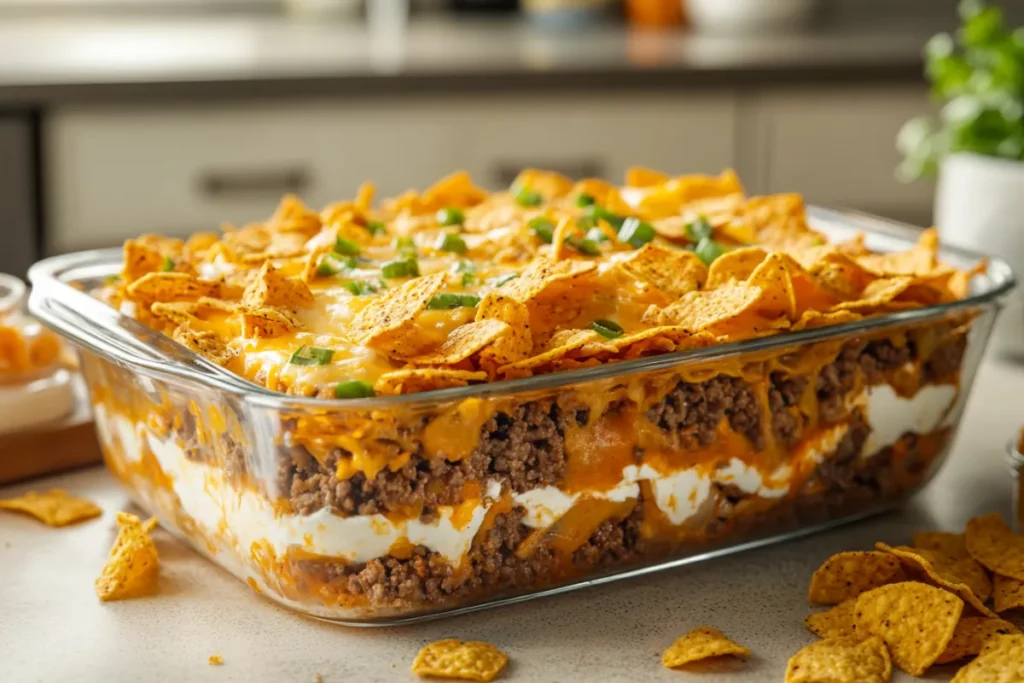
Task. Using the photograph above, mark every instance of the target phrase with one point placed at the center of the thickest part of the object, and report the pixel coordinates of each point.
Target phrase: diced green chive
(353, 389)
(708, 250)
(405, 246)
(542, 228)
(450, 241)
(527, 197)
(360, 287)
(502, 279)
(467, 270)
(583, 245)
(332, 264)
(599, 212)
(346, 247)
(450, 216)
(596, 235)
(311, 355)
(607, 328)
(636, 233)
(446, 300)
(376, 228)
(168, 264)
(584, 200)
(400, 268)
(699, 229)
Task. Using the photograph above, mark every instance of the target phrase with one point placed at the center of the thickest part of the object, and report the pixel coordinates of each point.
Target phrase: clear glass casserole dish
(569, 480)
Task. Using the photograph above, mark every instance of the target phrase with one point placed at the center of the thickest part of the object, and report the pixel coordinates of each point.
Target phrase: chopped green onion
(636, 233)
(468, 271)
(502, 279)
(708, 250)
(346, 247)
(586, 223)
(527, 197)
(596, 212)
(584, 200)
(376, 228)
(405, 246)
(450, 216)
(596, 234)
(446, 300)
(699, 229)
(311, 355)
(332, 264)
(543, 228)
(168, 264)
(450, 241)
(607, 328)
(583, 245)
(407, 267)
(360, 287)
(353, 389)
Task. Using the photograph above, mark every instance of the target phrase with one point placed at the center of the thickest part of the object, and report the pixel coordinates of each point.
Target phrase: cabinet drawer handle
(505, 172)
(254, 183)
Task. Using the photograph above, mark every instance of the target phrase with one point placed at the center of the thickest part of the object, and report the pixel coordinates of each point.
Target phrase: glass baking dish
(568, 480)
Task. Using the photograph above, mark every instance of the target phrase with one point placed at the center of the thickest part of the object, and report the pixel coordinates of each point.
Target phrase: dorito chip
(877, 294)
(943, 572)
(737, 265)
(266, 323)
(140, 260)
(673, 271)
(920, 261)
(698, 311)
(516, 342)
(382, 322)
(413, 380)
(561, 344)
(271, 288)
(945, 542)
(639, 176)
(994, 544)
(133, 563)
(841, 661)
(451, 658)
(838, 622)
(970, 636)
(53, 508)
(463, 342)
(1008, 593)
(848, 574)
(915, 620)
(173, 287)
(776, 283)
(1001, 661)
(204, 342)
(542, 273)
(701, 643)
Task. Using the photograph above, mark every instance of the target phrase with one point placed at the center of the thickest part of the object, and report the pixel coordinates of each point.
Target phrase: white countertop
(53, 628)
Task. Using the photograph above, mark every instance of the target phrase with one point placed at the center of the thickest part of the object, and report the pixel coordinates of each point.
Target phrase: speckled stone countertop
(82, 57)
(53, 628)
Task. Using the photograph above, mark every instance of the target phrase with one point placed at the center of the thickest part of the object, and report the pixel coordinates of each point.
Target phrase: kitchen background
(126, 116)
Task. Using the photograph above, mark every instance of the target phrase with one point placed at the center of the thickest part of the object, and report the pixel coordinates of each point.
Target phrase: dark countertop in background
(45, 61)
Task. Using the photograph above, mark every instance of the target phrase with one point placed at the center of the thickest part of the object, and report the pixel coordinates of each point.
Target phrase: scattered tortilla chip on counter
(1007, 593)
(701, 643)
(1001, 661)
(992, 543)
(53, 508)
(848, 574)
(942, 572)
(132, 566)
(970, 636)
(215, 660)
(838, 622)
(455, 659)
(841, 661)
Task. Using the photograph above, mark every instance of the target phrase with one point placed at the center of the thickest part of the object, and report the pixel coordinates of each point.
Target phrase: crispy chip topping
(840, 660)
(132, 567)
(849, 574)
(454, 659)
(701, 643)
(53, 508)
(991, 542)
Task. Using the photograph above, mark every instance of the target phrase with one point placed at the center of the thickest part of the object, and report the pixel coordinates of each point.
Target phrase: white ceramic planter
(979, 205)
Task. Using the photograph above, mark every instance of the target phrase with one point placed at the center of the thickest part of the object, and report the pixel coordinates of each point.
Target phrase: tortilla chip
(877, 294)
(292, 215)
(838, 622)
(543, 273)
(204, 342)
(561, 344)
(841, 661)
(970, 636)
(463, 342)
(414, 380)
(915, 620)
(810, 319)
(1001, 661)
(701, 643)
(1008, 593)
(384, 322)
(168, 287)
(132, 566)
(954, 547)
(736, 265)
(639, 176)
(140, 260)
(215, 660)
(455, 190)
(471, 661)
(674, 271)
(848, 574)
(942, 571)
(919, 261)
(992, 543)
(776, 283)
(946, 542)
(270, 287)
(516, 342)
(53, 508)
(672, 335)
(266, 323)
(704, 310)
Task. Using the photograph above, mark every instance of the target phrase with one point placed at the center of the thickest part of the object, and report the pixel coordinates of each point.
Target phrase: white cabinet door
(115, 173)
(836, 147)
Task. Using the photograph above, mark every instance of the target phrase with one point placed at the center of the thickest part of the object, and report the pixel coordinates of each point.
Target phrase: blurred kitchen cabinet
(18, 194)
(601, 135)
(835, 146)
(117, 172)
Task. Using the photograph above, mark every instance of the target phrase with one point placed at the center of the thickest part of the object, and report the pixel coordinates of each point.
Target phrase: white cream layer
(891, 416)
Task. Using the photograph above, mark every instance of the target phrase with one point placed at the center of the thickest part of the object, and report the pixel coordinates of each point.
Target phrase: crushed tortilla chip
(204, 342)
(915, 620)
(451, 658)
(53, 508)
(266, 323)
(970, 636)
(673, 271)
(132, 566)
(384, 322)
(1001, 661)
(735, 266)
(139, 260)
(167, 287)
(543, 273)
(270, 287)
(215, 660)
(942, 571)
(463, 342)
(1008, 593)
(704, 310)
(946, 542)
(841, 661)
(778, 297)
(413, 380)
(992, 543)
(838, 622)
(516, 342)
(701, 643)
(848, 574)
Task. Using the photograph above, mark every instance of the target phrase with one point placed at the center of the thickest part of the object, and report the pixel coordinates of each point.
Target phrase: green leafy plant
(978, 76)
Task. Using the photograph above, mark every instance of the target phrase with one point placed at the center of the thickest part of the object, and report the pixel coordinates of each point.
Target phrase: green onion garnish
(502, 279)
(542, 228)
(467, 270)
(360, 287)
(353, 389)
(607, 328)
(596, 212)
(407, 267)
(699, 229)
(450, 241)
(446, 300)
(311, 355)
(332, 264)
(708, 250)
(527, 197)
(450, 216)
(405, 246)
(596, 235)
(168, 264)
(583, 245)
(636, 233)
(376, 228)
(584, 200)
(346, 247)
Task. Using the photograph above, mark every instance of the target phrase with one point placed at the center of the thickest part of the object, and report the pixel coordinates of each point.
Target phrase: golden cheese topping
(456, 285)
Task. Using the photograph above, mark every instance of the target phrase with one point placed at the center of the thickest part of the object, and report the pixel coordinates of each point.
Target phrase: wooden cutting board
(50, 448)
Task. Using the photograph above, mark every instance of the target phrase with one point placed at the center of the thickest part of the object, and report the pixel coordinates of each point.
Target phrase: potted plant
(977, 144)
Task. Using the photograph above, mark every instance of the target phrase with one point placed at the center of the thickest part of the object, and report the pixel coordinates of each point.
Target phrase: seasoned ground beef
(692, 411)
(783, 397)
